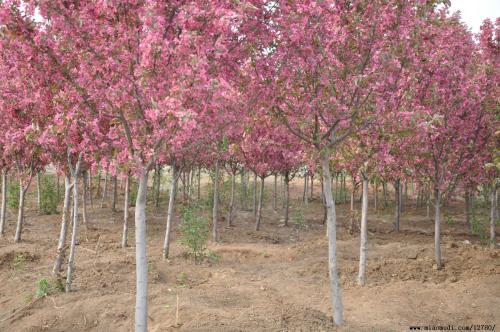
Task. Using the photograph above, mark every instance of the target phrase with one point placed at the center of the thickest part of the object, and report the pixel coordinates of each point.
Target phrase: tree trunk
(58, 185)
(170, 212)
(84, 196)
(493, 216)
(254, 208)
(428, 204)
(353, 192)
(259, 209)
(363, 248)
(215, 211)
(231, 202)
(89, 176)
(337, 192)
(336, 296)
(283, 189)
(157, 185)
(20, 213)
(275, 192)
(384, 189)
(397, 199)
(38, 191)
(323, 201)
(437, 227)
(98, 180)
(244, 197)
(312, 187)
(306, 189)
(3, 208)
(468, 212)
(184, 184)
(141, 259)
(199, 183)
(375, 199)
(115, 194)
(104, 190)
(191, 185)
(126, 205)
(287, 197)
(64, 226)
(343, 188)
(72, 248)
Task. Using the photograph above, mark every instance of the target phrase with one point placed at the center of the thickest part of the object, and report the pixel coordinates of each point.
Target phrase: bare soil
(272, 280)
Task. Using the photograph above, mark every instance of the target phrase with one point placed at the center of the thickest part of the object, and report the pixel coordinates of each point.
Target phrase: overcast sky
(475, 11)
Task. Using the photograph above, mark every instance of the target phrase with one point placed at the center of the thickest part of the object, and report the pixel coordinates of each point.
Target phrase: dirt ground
(272, 280)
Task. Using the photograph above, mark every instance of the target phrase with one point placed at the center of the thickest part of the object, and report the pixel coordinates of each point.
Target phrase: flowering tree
(451, 125)
(322, 68)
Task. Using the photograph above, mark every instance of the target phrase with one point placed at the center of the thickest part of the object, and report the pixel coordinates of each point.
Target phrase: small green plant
(194, 232)
(298, 218)
(46, 287)
(49, 199)
(448, 219)
(13, 195)
(212, 257)
(478, 228)
(19, 261)
(182, 280)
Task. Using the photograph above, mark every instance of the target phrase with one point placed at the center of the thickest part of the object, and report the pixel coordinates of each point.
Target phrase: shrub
(194, 232)
(46, 287)
(49, 199)
(298, 218)
(478, 228)
(448, 219)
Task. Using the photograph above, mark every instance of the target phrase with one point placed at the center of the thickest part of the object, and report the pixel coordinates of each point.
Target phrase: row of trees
(384, 90)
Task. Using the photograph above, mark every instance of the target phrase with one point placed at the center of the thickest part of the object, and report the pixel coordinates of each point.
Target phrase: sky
(475, 11)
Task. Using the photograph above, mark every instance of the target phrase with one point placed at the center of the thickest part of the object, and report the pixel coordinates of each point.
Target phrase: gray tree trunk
(363, 248)
(468, 212)
(141, 259)
(384, 192)
(104, 190)
(64, 226)
(336, 296)
(157, 185)
(215, 211)
(244, 197)
(199, 183)
(428, 206)
(20, 213)
(275, 192)
(493, 216)
(72, 247)
(126, 205)
(259, 208)
(231, 202)
(115, 194)
(3, 208)
(89, 179)
(98, 180)
(397, 199)
(84, 197)
(283, 188)
(38, 191)
(437, 227)
(312, 187)
(170, 213)
(254, 208)
(287, 198)
(305, 196)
